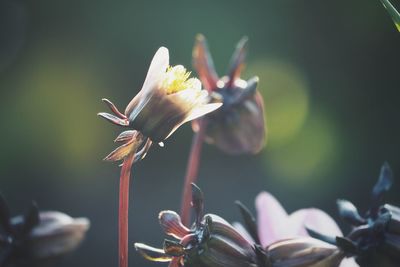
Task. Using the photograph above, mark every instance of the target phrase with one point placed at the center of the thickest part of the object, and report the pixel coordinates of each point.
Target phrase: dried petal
(141, 154)
(237, 61)
(152, 254)
(203, 63)
(172, 225)
(113, 108)
(124, 150)
(114, 119)
(125, 136)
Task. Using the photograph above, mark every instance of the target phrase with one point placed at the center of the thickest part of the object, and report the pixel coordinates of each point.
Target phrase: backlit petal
(272, 219)
(315, 219)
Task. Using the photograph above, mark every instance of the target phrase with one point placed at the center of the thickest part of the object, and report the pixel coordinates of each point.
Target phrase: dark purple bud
(383, 185)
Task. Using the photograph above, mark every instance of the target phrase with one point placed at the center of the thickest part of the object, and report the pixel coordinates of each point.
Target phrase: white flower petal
(316, 219)
(154, 75)
(202, 110)
(348, 262)
(272, 219)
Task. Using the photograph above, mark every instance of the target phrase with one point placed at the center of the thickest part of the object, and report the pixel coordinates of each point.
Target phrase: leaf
(392, 12)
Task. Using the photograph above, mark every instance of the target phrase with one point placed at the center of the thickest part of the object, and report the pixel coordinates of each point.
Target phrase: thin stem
(192, 171)
(123, 209)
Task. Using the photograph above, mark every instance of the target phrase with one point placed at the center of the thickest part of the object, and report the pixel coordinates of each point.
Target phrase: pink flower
(275, 224)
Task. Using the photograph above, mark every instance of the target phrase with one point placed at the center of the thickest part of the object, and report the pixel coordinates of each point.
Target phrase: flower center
(177, 79)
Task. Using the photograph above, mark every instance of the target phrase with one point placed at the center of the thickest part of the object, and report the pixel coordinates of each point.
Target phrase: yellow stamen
(177, 79)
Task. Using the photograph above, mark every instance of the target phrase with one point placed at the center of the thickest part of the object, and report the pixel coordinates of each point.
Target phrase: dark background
(329, 74)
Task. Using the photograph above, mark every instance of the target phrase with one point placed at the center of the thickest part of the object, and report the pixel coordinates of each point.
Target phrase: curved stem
(123, 209)
(192, 171)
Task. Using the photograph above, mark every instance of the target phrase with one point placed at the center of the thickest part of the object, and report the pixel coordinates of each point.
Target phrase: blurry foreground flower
(375, 237)
(38, 238)
(392, 12)
(274, 226)
(211, 241)
(238, 127)
(167, 99)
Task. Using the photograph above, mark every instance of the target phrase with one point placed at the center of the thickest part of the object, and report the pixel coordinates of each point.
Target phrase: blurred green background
(329, 75)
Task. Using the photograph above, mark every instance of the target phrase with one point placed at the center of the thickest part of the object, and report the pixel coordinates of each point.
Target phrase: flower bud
(38, 238)
(56, 234)
(238, 127)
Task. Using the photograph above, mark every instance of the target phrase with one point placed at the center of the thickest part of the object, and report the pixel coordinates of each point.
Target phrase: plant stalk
(192, 171)
(123, 209)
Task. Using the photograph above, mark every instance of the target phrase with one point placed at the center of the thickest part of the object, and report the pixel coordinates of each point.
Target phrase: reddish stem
(123, 209)
(192, 171)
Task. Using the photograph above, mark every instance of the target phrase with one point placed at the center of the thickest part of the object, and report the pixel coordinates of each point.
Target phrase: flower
(213, 242)
(168, 99)
(238, 127)
(38, 237)
(375, 237)
(274, 225)
(210, 242)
